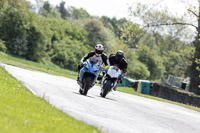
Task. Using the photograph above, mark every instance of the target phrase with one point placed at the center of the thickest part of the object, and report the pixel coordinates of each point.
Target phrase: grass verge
(132, 91)
(52, 69)
(23, 112)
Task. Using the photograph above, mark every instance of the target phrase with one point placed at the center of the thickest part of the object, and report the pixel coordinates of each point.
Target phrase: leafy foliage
(21, 34)
(114, 25)
(63, 11)
(138, 70)
(2, 46)
(131, 34)
(78, 13)
(67, 53)
(97, 33)
(66, 43)
(152, 61)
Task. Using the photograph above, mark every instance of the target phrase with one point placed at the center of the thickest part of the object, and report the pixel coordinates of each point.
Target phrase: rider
(98, 54)
(119, 60)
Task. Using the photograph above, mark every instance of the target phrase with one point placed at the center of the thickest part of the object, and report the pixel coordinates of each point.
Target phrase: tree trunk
(194, 73)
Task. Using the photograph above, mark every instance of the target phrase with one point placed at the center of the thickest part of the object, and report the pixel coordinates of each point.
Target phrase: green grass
(23, 112)
(48, 68)
(132, 91)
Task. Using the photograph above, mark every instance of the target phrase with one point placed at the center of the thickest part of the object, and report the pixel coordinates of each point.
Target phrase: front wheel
(106, 88)
(80, 91)
(87, 83)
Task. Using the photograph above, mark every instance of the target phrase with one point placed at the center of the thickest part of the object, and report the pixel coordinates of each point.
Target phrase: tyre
(80, 91)
(87, 82)
(106, 88)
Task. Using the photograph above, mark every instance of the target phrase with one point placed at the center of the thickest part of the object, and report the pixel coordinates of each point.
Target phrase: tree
(153, 62)
(45, 9)
(130, 34)
(67, 53)
(14, 3)
(136, 69)
(2, 46)
(47, 6)
(107, 22)
(35, 39)
(97, 33)
(3, 4)
(176, 54)
(66, 43)
(13, 31)
(18, 26)
(78, 13)
(114, 25)
(63, 11)
(154, 19)
(48, 11)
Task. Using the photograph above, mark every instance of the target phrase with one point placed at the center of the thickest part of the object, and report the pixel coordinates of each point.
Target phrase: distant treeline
(62, 36)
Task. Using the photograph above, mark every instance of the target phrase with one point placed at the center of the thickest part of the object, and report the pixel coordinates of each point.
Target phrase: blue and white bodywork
(110, 79)
(88, 75)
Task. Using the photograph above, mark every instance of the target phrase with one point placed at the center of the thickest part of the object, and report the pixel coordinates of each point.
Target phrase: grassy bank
(48, 68)
(23, 112)
(132, 91)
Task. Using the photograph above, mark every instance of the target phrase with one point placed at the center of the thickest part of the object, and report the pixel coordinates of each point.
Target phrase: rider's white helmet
(99, 49)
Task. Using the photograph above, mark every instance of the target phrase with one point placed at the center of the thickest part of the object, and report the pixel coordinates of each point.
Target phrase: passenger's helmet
(99, 49)
(119, 55)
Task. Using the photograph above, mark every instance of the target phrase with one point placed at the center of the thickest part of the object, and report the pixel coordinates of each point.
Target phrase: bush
(20, 31)
(138, 70)
(153, 62)
(2, 46)
(67, 53)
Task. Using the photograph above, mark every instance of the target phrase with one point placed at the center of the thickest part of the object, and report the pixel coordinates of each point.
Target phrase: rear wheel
(106, 88)
(87, 82)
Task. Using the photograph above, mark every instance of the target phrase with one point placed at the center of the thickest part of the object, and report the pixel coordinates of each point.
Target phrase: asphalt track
(118, 113)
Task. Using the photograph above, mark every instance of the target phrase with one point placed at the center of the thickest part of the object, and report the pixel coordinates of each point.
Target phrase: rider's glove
(124, 74)
(106, 67)
(120, 80)
(80, 65)
(102, 69)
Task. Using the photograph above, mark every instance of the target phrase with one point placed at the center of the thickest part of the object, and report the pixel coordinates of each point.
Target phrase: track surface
(118, 113)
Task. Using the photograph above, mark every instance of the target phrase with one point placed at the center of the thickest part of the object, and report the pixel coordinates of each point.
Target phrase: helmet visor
(119, 57)
(98, 51)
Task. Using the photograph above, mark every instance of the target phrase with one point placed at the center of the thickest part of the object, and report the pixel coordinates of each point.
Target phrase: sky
(118, 8)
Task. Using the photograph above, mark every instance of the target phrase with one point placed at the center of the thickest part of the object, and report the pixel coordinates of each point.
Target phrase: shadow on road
(83, 95)
(107, 98)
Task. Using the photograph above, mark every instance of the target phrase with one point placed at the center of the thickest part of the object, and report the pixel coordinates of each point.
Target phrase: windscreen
(93, 60)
